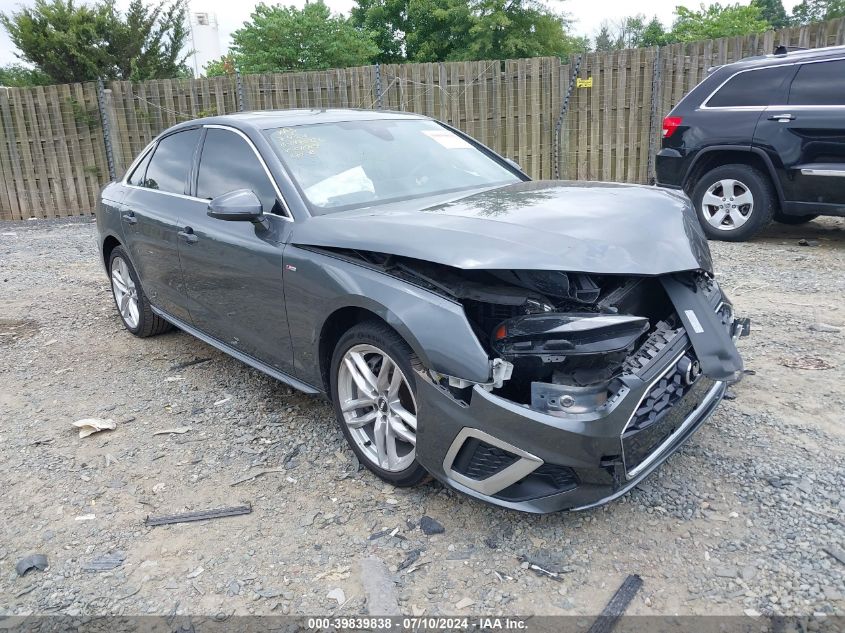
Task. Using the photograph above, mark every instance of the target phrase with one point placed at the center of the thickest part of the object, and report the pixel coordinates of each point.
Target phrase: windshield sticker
(345, 183)
(447, 139)
(296, 144)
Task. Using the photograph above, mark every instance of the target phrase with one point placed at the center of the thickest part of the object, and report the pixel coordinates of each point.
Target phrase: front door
(807, 138)
(233, 269)
(150, 216)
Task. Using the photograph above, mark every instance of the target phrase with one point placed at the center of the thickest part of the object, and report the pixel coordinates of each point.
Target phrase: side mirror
(238, 206)
(513, 163)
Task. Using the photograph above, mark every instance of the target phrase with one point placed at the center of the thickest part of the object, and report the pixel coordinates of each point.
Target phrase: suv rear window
(752, 88)
(821, 83)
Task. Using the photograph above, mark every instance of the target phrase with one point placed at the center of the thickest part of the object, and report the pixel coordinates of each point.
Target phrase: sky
(586, 15)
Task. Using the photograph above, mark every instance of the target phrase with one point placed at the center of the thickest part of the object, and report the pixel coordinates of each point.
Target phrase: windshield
(349, 164)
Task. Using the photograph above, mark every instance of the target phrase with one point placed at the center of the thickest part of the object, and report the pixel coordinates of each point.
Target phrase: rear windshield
(349, 164)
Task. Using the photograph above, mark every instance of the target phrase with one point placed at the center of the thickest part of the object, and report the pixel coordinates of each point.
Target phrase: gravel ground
(747, 518)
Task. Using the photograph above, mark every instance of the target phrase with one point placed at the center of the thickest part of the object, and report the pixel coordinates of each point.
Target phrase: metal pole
(564, 107)
(240, 90)
(652, 122)
(104, 118)
(378, 86)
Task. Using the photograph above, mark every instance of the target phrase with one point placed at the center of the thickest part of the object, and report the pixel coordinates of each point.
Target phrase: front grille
(478, 460)
(665, 407)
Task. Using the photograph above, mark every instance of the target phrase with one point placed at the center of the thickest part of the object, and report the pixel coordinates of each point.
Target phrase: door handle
(188, 235)
(782, 118)
(130, 218)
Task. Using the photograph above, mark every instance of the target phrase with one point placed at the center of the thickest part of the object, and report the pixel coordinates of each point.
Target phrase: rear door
(806, 137)
(156, 199)
(233, 269)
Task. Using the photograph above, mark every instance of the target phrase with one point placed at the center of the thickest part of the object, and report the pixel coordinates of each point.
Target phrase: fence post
(378, 86)
(239, 88)
(652, 120)
(564, 108)
(104, 119)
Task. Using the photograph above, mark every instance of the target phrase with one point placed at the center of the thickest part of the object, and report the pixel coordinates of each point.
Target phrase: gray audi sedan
(538, 345)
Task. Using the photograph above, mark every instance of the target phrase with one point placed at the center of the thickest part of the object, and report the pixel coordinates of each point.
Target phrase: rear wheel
(734, 202)
(374, 394)
(794, 219)
(132, 304)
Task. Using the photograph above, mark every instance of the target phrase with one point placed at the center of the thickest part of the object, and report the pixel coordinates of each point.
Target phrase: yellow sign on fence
(584, 83)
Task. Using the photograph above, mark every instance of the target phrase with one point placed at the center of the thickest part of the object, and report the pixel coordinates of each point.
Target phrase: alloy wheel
(125, 292)
(378, 406)
(727, 204)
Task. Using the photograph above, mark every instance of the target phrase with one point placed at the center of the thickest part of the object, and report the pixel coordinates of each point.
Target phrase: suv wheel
(734, 202)
(374, 394)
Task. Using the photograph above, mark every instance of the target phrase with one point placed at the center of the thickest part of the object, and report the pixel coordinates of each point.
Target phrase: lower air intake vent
(479, 460)
(546, 480)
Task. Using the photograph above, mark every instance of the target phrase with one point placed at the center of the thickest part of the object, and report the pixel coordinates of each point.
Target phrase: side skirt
(249, 360)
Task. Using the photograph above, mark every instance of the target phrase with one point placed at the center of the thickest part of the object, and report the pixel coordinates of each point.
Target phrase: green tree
(631, 32)
(654, 34)
(772, 11)
(440, 30)
(15, 75)
(716, 21)
(71, 43)
(279, 38)
(809, 11)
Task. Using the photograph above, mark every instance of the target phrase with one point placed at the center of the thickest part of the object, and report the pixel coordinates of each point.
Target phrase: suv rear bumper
(670, 168)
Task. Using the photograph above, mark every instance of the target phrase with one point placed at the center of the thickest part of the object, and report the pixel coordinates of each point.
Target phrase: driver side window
(228, 163)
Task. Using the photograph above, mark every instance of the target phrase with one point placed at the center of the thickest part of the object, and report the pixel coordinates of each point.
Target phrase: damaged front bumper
(544, 460)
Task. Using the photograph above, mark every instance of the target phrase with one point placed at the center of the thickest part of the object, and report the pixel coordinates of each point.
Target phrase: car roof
(270, 119)
(791, 57)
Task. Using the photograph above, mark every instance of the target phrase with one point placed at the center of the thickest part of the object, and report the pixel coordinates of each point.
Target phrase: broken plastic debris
(178, 430)
(33, 561)
(199, 516)
(86, 517)
(89, 426)
(105, 562)
(337, 594)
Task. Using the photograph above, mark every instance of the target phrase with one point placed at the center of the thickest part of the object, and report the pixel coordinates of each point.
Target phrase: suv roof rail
(783, 49)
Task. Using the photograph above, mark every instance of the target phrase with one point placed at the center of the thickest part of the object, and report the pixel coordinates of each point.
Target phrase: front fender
(317, 285)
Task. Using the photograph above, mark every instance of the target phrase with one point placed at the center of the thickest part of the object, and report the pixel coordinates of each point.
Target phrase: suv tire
(734, 202)
(379, 428)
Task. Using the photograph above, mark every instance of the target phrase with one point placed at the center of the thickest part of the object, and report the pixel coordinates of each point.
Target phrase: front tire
(132, 304)
(373, 388)
(734, 202)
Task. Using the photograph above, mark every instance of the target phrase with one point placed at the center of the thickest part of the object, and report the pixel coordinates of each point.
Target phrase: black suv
(760, 139)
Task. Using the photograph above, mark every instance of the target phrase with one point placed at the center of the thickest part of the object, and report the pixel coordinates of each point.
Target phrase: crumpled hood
(602, 228)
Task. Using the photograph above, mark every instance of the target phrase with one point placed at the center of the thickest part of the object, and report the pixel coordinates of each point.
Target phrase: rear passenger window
(137, 177)
(752, 88)
(822, 83)
(171, 162)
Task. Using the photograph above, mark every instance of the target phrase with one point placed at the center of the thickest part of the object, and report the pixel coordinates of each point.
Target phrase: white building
(205, 41)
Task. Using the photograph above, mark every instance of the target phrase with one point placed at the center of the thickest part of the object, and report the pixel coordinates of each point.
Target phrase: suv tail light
(670, 124)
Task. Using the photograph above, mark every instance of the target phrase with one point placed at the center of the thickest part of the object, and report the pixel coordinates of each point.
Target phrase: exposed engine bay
(565, 337)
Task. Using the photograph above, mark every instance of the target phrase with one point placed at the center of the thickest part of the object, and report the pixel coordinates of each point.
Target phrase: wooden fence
(60, 144)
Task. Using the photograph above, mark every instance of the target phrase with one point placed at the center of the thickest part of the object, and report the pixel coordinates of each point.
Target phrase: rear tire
(132, 304)
(734, 202)
(794, 219)
(379, 428)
